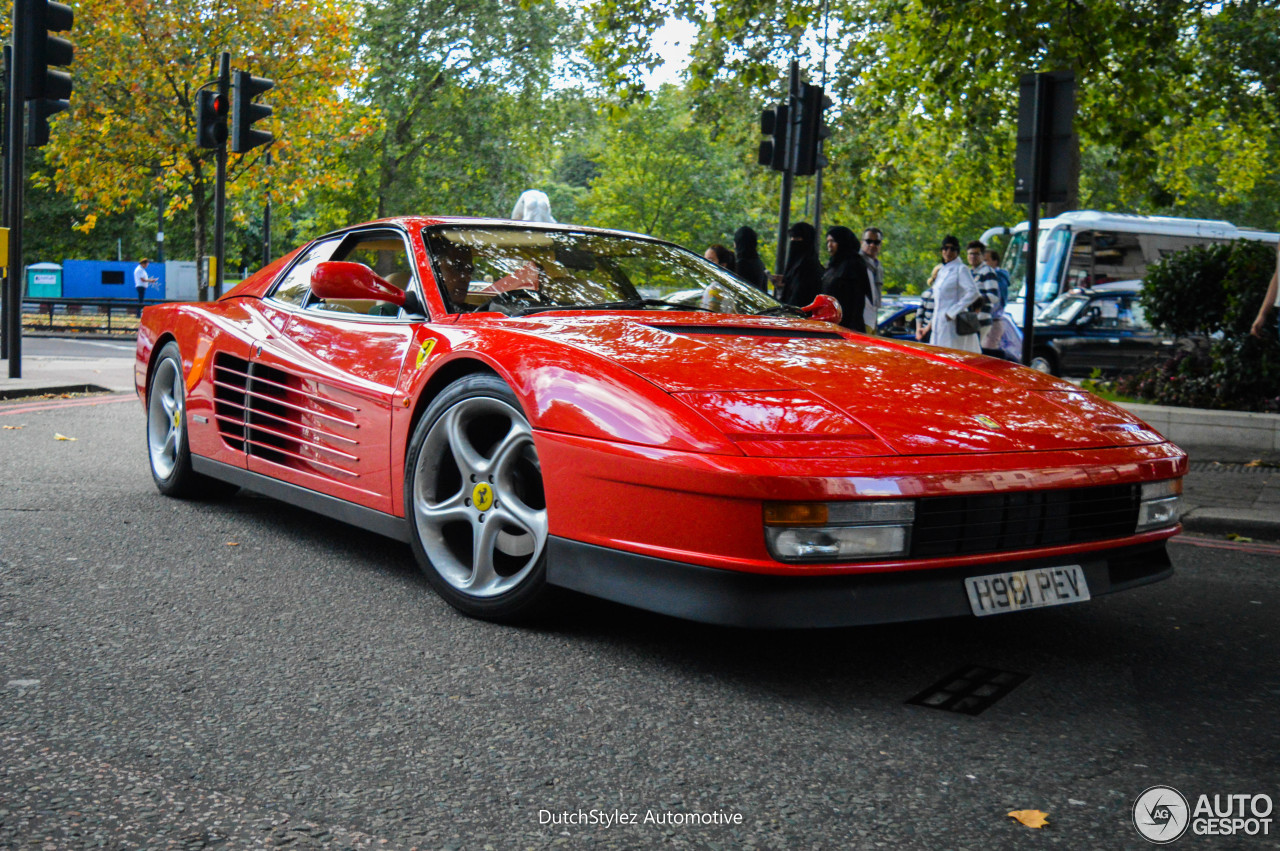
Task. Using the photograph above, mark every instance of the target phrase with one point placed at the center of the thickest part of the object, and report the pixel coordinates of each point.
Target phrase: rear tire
(167, 447)
(473, 495)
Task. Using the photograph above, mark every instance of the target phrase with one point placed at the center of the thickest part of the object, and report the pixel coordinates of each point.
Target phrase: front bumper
(734, 598)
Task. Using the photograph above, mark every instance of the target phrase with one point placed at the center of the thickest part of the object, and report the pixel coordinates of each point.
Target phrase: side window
(296, 283)
(385, 253)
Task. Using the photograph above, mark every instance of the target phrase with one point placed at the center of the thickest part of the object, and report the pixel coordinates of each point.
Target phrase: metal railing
(83, 315)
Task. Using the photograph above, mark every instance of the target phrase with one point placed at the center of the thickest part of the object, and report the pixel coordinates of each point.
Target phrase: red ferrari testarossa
(534, 407)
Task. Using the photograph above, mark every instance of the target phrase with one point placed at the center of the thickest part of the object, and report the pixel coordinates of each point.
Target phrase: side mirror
(340, 280)
(824, 309)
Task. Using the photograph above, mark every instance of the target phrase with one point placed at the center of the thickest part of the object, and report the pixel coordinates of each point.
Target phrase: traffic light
(47, 89)
(243, 136)
(773, 151)
(211, 118)
(809, 156)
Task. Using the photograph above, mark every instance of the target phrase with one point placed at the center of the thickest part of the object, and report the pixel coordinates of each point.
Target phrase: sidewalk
(1230, 489)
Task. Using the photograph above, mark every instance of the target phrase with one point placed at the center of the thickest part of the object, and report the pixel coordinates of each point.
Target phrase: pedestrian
(954, 293)
(721, 256)
(803, 279)
(1003, 337)
(924, 316)
(847, 279)
(1269, 302)
(871, 240)
(984, 275)
(750, 266)
(142, 280)
(533, 206)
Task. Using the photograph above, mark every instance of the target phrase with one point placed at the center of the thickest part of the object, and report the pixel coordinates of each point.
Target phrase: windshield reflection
(520, 271)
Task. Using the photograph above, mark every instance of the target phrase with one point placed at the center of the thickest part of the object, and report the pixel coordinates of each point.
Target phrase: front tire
(473, 495)
(167, 447)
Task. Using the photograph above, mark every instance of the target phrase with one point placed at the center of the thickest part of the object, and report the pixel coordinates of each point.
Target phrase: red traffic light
(221, 105)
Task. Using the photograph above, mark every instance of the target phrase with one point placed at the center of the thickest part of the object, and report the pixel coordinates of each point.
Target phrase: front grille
(989, 523)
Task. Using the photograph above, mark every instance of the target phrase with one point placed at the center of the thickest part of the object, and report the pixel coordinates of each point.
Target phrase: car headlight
(838, 531)
(1160, 505)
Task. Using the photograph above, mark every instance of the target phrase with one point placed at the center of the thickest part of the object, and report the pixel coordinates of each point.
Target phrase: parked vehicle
(898, 320)
(525, 407)
(1102, 327)
(1084, 248)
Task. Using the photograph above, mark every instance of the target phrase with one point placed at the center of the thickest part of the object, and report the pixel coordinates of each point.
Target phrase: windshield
(1049, 252)
(1063, 310)
(519, 271)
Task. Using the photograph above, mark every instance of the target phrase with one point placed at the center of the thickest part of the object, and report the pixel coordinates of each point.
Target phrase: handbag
(967, 322)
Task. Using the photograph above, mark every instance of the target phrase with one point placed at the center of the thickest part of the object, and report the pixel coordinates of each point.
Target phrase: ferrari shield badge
(482, 496)
(988, 422)
(425, 352)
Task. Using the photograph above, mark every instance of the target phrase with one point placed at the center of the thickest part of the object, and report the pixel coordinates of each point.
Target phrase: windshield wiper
(628, 304)
(780, 310)
(662, 302)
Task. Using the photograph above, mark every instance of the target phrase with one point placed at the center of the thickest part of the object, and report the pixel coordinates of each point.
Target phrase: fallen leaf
(12, 428)
(233, 543)
(1031, 818)
(1256, 462)
(1232, 536)
(57, 436)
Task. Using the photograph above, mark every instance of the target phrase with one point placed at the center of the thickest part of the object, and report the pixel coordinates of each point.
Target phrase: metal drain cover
(969, 690)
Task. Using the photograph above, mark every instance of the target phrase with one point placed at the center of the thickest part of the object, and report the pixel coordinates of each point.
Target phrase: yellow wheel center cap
(177, 420)
(482, 496)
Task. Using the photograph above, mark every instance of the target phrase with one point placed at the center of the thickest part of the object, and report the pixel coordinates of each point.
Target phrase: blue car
(898, 320)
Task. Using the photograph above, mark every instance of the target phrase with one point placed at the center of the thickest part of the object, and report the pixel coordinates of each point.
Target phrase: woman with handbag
(955, 323)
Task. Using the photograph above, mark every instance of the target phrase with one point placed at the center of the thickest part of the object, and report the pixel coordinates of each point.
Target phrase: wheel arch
(444, 376)
(163, 340)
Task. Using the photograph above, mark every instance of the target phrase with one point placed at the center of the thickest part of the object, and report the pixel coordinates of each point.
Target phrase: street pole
(4, 198)
(13, 180)
(266, 218)
(1033, 223)
(220, 193)
(784, 212)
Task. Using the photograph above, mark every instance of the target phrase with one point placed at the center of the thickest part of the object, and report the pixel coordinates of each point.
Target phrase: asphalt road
(242, 673)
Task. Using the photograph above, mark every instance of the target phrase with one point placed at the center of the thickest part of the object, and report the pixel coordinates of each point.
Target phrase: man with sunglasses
(871, 239)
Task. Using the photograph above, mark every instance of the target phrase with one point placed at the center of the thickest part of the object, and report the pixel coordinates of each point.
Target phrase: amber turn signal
(795, 514)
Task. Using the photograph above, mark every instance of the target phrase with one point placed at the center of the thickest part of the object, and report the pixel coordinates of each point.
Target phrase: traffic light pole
(784, 212)
(13, 180)
(220, 194)
(1033, 226)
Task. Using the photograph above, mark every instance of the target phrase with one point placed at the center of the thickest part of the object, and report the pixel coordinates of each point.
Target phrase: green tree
(458, 90)
(661, 173)
(130, 133)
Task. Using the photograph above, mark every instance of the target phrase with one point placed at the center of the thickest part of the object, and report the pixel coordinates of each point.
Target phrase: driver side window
(385, 253)
(296, 283)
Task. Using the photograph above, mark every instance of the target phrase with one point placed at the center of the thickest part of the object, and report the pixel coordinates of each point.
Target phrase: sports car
(526, 407)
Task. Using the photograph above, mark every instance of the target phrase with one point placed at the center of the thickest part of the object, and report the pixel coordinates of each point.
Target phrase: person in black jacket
(847, 278)
(803, 278)
(750, 266)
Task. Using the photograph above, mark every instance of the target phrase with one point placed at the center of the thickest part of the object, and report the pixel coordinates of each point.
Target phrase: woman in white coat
(953, 292)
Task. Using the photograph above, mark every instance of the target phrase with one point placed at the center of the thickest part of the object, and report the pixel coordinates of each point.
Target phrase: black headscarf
(803, 279)
(846, 277)
(750, 266)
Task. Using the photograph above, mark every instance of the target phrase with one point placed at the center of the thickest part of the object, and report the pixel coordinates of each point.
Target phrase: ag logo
(482, 496)
(1161, 814)
(988, 422)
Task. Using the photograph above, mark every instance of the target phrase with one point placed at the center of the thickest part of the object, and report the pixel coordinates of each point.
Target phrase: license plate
(1026, 589)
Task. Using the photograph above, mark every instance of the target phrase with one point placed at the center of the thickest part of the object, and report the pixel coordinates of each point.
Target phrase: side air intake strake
(279, 417)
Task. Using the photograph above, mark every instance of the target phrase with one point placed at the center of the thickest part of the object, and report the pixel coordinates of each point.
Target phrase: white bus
(1084, 247)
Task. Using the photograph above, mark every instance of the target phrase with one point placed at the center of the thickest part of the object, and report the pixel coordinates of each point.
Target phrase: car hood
(914, 399)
